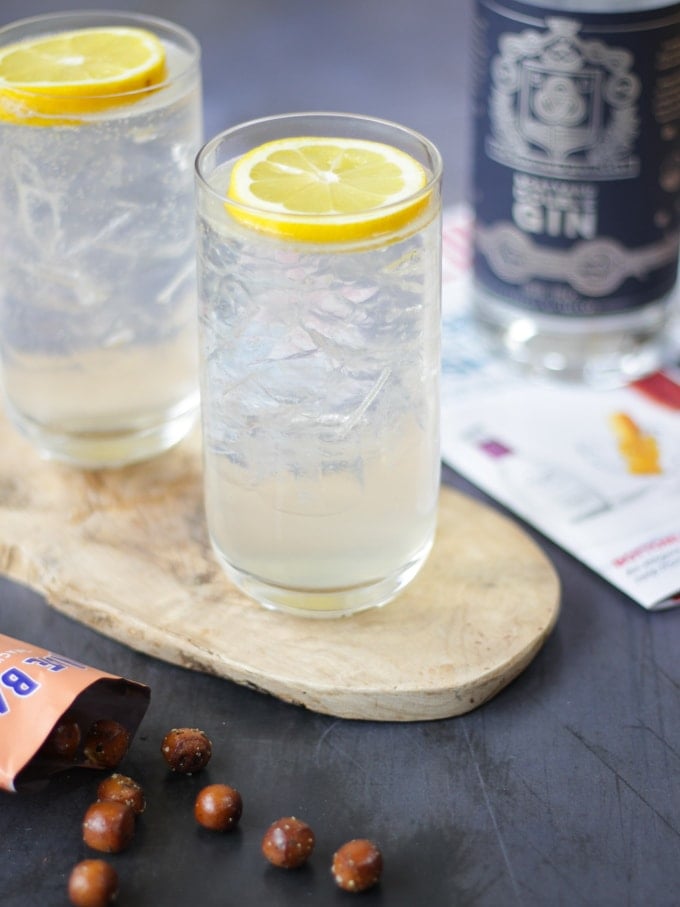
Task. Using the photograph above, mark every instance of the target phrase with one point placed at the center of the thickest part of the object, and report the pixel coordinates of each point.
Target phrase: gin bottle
(576, 183)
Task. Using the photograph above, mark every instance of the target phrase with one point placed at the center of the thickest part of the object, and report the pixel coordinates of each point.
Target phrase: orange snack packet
(56, 713)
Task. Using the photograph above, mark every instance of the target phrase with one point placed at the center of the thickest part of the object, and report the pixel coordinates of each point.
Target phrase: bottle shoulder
(601, 6)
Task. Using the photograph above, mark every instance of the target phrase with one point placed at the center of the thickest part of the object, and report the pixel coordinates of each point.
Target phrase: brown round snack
(106, 743)
(186, 750)
(63, 740)
(288, 843)
(218, 807)
(108, 826)
(124, 789)
(93, 883)
(357, 865)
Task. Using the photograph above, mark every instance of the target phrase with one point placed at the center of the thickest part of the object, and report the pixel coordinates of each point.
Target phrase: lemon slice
(78, 72)
(318, 189)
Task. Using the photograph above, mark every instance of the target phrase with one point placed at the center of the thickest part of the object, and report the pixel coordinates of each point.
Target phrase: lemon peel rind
(334, 229)
(15, 109)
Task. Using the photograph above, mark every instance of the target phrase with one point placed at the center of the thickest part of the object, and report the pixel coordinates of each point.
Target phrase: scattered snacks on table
(47, 701)
(186, 750)
(357, 865)
(218, 807)
(93, 883)
(109, 826)
(288, 843)
(123, 789)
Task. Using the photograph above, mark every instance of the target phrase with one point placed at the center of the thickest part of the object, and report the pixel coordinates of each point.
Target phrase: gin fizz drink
(320, 356)
(97, 281)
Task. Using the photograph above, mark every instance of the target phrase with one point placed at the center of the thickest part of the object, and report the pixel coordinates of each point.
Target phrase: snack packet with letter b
(56, 713)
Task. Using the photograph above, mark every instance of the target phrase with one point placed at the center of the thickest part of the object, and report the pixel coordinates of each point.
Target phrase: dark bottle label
(576, 157)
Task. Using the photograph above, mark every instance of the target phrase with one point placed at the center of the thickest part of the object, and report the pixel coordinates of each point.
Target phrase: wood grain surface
(126, 552)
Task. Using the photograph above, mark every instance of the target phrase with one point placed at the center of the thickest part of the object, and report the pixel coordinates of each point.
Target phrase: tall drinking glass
(97, 274)
(320, 360)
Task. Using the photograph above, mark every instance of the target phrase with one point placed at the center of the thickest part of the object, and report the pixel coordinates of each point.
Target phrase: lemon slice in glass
(76, 72)
(319, 189)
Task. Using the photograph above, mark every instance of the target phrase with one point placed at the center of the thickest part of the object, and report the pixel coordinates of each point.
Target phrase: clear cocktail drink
(320, 383)
(97, 281)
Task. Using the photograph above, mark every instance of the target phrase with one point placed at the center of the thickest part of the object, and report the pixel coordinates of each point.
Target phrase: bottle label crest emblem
(577, 157)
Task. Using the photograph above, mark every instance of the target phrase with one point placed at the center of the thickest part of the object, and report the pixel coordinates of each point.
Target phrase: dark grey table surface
(563, 790)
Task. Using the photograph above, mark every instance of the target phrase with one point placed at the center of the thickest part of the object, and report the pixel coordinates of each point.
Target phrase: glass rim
(434, 170)
(155, 24)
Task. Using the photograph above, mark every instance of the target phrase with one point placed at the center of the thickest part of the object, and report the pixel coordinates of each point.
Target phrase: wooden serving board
(126, 552)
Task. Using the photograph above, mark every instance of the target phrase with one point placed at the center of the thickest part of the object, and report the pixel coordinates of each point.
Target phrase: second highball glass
(97, 275)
